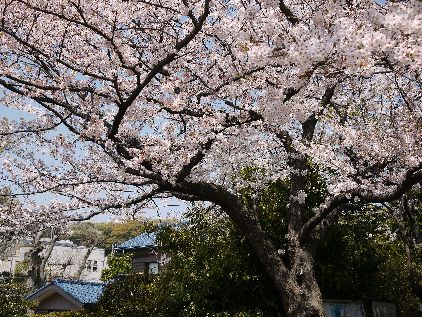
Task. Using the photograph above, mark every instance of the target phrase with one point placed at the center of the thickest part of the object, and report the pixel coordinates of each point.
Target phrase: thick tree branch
(412, 177)
(290, 16)
(308, 126)
(156, 70)
(244, 218)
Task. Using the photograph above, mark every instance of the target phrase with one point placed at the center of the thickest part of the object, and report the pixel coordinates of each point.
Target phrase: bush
(66, 314)
(12, 300)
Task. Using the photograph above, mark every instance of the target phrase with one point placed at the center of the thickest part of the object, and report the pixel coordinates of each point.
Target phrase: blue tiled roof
(85, 292)
(145, 240)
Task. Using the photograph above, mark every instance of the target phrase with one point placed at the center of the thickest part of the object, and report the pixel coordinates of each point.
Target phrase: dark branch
(290, 16)
(194, 161)
(412, 177)
(156, 70)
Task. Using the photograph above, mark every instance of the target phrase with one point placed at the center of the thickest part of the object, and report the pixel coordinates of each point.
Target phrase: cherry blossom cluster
(128, 101)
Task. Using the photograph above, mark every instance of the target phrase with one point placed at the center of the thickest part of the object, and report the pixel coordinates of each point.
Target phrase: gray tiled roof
(84, 292)
(145, 240)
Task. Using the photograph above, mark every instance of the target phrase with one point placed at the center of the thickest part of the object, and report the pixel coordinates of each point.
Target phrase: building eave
(51, 289)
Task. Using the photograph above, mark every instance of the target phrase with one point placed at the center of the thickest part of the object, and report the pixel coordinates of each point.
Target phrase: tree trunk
(35, 280)
(299, 291)
(414, 276)
(83, 264)
(409, 233)
(47, 256)
(292, 275)
(297, 287)
(291, 271)
(302, 296)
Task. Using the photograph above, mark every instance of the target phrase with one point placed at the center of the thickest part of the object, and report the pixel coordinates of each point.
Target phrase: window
(153, 268)
(91, 266)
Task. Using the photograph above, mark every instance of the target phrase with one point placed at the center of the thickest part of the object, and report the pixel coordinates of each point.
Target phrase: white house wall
(14, 256)
(64, 261)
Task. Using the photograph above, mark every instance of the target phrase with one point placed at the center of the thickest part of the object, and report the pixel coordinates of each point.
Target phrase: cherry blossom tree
(134, 100)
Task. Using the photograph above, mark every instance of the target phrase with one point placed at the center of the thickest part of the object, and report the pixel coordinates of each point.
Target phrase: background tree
(105, 235)
(213, 273)
(117, 264)
(116, 233)
(361, 258)
(127, 296)
(406, 219)
(175, 98)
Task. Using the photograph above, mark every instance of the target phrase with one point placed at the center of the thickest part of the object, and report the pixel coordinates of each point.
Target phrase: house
(64, 261)
(12, 258)
(64, 295)
(67, 258)
(146, 256)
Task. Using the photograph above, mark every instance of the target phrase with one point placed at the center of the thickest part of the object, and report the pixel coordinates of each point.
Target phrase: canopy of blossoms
(133, 100)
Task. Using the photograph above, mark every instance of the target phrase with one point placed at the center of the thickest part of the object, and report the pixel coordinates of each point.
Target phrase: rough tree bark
(83, 262)
(34, 273)
(291, 272)
(46, 256)
(38, 261)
